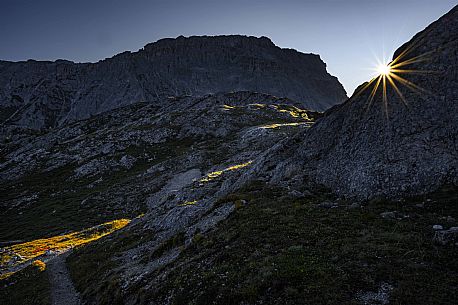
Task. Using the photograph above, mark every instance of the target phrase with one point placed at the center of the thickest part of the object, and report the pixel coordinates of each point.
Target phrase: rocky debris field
(118, 158)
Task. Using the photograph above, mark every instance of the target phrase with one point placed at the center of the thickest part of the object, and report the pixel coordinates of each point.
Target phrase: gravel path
(62, 290)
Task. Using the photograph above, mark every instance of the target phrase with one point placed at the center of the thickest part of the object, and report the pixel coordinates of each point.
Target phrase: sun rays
(389, 76)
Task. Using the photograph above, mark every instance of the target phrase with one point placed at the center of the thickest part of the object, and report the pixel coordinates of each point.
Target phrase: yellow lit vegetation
(6, 275)
(258, 105)
(213, 175)
(228, 107)
(30, 250)
(40, 265)
(289, 109)
(292, 111)
(273, 126)
(186, 203)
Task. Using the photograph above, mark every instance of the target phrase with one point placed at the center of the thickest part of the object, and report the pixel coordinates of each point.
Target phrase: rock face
(367, 148)
(47, 94)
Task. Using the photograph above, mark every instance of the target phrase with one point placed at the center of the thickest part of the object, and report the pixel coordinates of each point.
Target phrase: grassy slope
(275, 249)
(93, 267)
(29, 286)
(283, 250)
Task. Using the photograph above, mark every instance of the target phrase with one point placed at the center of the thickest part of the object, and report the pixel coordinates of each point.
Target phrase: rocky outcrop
(404, 144)
(47, 94)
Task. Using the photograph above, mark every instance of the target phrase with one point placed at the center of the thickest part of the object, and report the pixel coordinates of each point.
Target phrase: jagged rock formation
(47, 94)
(366, 148)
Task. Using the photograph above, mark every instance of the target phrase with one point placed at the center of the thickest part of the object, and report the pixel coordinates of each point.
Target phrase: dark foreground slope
(280, 249)
(46, 94)
(376, 147)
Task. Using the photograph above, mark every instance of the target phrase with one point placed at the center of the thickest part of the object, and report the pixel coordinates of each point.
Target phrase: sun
(383, 69)
(388, 75)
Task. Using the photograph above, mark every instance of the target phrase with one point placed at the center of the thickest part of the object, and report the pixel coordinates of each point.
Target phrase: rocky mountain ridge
(39, 95)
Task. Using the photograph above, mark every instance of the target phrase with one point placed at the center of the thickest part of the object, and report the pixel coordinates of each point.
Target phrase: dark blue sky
(348, 34)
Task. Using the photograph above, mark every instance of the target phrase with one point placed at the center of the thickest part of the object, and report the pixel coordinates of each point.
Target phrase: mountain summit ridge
(39, 94)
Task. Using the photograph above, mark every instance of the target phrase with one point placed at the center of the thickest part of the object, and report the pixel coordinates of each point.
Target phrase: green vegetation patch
(51, 214)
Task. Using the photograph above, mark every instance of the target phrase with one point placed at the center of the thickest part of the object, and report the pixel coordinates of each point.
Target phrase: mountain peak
(45, 94)
(220, 40)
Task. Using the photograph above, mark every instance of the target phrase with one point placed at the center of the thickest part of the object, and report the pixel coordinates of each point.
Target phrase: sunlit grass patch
(273, 126)
(293, 111)
(228, 107)
(211, 176)
(39, 264)
(216, 174)
(27, 251)
(186, 203)
(258, 105)
(238, 166)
